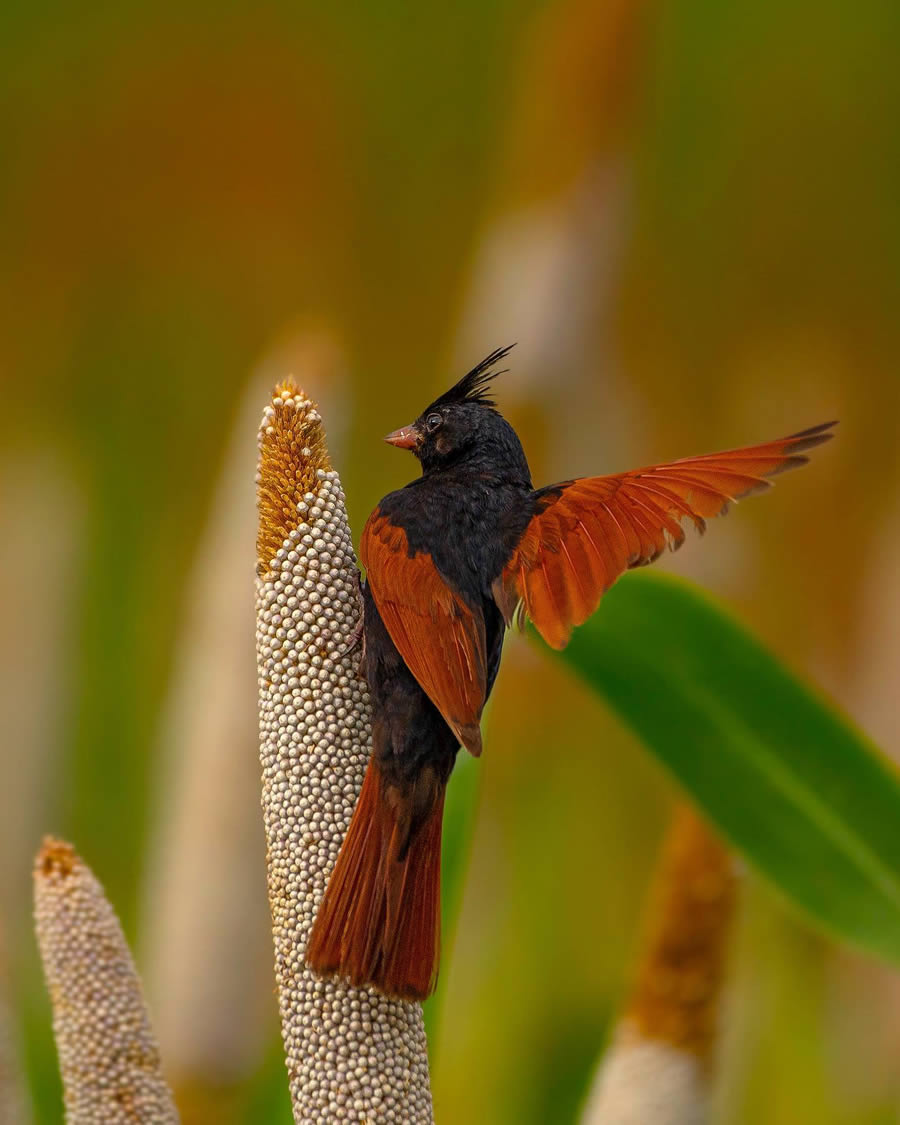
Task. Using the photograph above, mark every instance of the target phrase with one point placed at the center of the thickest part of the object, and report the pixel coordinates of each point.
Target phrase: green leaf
(804, 797)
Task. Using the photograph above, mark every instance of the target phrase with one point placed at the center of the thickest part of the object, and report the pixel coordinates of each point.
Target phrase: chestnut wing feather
(441, 639)
(587, 532)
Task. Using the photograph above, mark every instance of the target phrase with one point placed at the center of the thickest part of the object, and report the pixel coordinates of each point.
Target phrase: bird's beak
(406, 438)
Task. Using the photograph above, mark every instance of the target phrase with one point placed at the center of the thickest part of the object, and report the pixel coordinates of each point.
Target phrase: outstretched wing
(438, 635)
(585, 533)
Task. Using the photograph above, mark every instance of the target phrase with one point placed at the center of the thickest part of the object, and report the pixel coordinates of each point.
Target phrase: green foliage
(803, 796)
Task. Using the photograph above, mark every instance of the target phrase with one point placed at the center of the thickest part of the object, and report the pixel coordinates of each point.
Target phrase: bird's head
(463, 425)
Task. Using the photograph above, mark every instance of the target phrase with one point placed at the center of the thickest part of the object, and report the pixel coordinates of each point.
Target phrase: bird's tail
(379, 922)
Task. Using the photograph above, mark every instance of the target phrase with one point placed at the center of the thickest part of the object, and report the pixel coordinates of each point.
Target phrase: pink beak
(405, 438)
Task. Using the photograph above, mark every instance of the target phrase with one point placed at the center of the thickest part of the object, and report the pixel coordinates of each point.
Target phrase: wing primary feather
(585, 533)
(619, 528)
(677, 502)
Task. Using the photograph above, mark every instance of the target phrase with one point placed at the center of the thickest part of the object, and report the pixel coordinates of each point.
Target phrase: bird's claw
(355, 638)
(357, 634)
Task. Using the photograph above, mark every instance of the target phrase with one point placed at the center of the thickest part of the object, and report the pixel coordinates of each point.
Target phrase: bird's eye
(432, 422)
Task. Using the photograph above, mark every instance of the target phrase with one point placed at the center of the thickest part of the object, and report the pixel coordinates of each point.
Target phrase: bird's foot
(357, 635)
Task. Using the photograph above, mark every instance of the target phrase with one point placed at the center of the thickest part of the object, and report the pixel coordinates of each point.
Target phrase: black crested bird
(449, 560)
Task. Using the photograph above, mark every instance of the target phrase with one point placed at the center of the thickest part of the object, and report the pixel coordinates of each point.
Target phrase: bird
(452, 560)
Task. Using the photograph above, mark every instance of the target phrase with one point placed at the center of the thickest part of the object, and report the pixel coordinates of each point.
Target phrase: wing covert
(442, 641)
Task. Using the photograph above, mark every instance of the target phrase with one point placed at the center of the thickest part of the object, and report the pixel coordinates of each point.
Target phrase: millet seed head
(352, 1054)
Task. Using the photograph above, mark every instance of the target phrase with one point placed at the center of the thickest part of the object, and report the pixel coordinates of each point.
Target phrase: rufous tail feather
(379, 922)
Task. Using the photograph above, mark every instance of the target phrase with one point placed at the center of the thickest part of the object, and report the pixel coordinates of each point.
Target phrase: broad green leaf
(804, 797)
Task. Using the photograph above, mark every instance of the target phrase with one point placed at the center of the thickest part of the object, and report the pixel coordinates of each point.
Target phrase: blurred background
(687, 216)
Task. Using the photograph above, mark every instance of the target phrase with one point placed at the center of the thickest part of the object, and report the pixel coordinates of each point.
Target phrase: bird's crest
(473, 386)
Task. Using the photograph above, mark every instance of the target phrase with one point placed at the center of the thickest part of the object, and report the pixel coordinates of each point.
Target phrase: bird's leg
(358, 634)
